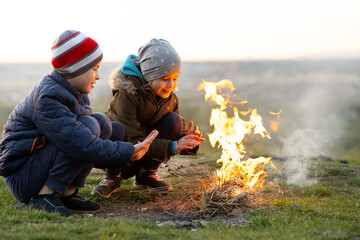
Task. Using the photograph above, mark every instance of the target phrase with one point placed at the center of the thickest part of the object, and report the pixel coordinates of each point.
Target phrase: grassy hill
(316, 150)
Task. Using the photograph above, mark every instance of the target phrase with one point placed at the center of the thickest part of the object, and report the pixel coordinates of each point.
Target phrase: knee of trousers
(118, 132)
(175, 119)
(105, 125)
(173, 124)
(92, 124)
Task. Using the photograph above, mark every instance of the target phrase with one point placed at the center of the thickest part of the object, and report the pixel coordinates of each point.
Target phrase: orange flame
(273, 124)
(229, 133)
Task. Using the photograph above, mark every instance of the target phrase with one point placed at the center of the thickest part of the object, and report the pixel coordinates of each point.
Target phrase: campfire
(238, 179)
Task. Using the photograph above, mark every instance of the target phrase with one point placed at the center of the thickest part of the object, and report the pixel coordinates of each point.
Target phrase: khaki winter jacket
(137, 108)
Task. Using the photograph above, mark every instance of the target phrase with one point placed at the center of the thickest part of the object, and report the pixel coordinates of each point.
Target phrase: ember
(237, 176)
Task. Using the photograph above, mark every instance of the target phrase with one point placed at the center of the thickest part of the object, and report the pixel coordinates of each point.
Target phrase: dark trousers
(51, 167)
(169, 127)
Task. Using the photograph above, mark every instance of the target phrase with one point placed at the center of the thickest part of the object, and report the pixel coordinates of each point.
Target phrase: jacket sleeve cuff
(170, 150)
(173, 148)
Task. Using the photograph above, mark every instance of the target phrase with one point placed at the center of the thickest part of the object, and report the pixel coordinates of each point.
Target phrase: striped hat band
(73, 53)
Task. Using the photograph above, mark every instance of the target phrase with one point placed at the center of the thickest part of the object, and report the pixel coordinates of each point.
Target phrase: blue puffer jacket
(49, 114)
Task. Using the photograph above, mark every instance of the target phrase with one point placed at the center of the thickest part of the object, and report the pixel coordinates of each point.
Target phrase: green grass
(328, 209)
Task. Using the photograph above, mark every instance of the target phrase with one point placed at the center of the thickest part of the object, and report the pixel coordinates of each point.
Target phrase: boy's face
(164, 86)
(84, 83)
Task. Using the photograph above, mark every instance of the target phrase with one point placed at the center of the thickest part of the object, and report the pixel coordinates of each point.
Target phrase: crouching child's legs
(170, 127)
(112, 182)
(49, 179)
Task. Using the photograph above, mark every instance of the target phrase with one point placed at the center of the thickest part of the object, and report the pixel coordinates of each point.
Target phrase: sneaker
(49, 203)
(107, 187)
(76, 202)
(153, 182)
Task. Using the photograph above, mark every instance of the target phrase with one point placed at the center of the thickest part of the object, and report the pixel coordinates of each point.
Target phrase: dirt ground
(181, 209)
(164, 213)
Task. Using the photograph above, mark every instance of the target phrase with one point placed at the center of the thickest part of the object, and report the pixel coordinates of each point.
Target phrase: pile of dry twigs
(203, 188)
(224, 198)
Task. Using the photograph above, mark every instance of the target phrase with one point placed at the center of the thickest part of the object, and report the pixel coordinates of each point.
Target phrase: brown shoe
(107, 187)
(153, 182)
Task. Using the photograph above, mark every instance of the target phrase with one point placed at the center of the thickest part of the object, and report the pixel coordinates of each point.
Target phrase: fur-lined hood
(119, 81)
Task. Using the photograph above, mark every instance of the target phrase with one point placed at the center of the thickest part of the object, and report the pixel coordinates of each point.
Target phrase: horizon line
(354, 58)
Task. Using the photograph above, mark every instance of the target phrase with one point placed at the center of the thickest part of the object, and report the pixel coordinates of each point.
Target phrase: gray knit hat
(158, 59)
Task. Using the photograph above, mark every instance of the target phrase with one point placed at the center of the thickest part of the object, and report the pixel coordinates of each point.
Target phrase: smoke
(313, 133)
(301, 147)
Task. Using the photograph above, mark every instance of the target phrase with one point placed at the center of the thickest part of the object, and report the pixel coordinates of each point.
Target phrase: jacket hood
(128, 77)
(119, 82)
(131, 66)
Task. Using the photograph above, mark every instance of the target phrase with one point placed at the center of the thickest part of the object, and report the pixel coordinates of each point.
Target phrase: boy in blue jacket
(52, 139)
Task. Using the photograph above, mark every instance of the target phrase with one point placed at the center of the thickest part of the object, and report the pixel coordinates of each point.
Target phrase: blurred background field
(319, 100)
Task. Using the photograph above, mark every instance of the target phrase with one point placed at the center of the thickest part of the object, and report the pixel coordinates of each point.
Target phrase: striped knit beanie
(158, 59)
(73, 53)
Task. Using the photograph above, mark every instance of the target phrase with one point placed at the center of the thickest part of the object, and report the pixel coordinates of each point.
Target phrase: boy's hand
(194, 131)
(142, 147)
(188, 142)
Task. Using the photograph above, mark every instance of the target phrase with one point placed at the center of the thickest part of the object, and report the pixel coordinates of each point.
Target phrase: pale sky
(197, 29)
